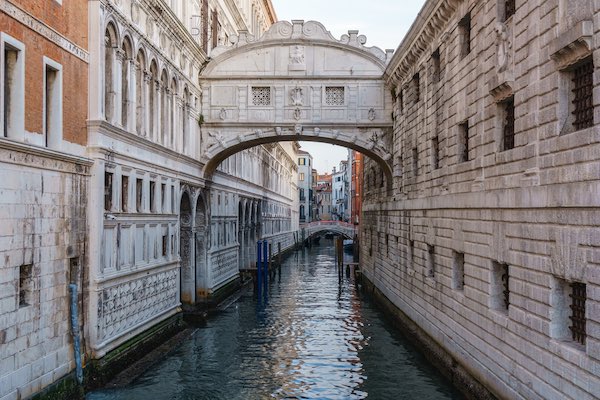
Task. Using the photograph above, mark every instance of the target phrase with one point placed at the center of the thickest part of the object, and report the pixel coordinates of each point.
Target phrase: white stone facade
(158, 235)
(477, 217)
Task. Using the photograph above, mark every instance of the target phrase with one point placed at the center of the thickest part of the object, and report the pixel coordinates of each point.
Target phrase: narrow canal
(315, 337)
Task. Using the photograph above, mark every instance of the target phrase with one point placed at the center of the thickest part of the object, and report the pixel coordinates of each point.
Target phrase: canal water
(314, 337)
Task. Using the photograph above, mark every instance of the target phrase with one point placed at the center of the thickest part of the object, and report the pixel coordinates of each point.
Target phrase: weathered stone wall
(460, 213)
(42, 249)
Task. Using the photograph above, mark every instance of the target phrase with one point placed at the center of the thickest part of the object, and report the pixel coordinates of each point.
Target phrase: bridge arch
(296, 83)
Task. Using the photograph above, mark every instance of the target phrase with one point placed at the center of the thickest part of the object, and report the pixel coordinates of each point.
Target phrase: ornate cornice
(573, 45)
(430, 22)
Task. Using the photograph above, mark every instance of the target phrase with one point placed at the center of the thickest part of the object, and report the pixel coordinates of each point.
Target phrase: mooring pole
(266, 268)
(259, 266)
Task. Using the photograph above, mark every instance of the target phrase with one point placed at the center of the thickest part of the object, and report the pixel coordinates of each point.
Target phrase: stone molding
(573, 45)
(429, 24)
(298, 31)
(567, 258)
(20, 153)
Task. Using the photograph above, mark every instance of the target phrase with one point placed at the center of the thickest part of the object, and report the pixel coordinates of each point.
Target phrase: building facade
(339, 192)
(305, 186)
(491, 245)
(356, 186)
(44, 183)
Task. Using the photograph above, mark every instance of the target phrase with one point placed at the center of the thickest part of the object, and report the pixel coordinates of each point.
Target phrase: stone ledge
(573, 45)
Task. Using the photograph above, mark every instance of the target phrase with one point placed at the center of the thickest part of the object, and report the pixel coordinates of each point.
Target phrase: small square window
(334, 95)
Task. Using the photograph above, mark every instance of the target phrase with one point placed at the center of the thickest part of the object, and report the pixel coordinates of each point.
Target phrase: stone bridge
(297, 82)
(342, 228)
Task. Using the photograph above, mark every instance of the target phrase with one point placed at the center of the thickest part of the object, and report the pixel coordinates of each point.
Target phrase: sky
(383, 22)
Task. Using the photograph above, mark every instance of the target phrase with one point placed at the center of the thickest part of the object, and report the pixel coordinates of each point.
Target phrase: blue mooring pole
(266, 264)
(259, 266)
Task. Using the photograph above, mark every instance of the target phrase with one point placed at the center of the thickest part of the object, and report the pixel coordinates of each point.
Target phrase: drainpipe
(75, 332)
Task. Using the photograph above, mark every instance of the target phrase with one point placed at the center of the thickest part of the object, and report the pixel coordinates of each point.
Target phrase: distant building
(339, 192)
(305, 187)
(356, 186)
(323, 197)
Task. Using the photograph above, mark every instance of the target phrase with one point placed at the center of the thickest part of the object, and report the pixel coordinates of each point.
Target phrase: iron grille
(464, 142)
(583, 84)
(509, 124)
(509, 9)
(505, 287)
(578, 296)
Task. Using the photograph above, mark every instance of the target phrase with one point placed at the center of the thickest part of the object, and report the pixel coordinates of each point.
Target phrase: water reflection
(313, 338)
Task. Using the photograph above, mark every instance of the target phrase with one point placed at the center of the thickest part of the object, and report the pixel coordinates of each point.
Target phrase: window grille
(435, 149)
(464, 142)
(509, 9)
(505, 287)
(578, 296)
(261, 96)
(583, 84)
(509, 124)
(334, 95)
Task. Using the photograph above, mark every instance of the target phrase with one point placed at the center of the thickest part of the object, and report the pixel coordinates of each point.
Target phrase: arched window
(125, 82)
(139, 92)
(110, 43)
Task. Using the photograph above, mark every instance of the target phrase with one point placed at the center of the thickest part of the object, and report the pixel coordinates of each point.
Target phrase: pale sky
(383, 22)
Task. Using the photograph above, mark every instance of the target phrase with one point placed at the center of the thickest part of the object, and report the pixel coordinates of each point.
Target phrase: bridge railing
(328, 223)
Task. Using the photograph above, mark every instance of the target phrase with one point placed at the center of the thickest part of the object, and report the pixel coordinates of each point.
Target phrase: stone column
(157, 112)
(117, 79)
(146, 93)
(131, 97)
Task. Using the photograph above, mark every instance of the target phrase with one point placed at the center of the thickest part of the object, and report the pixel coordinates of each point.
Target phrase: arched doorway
(187, 277)
(201, 272)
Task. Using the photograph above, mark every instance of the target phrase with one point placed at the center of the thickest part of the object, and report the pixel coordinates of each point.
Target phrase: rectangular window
(509, 8)
(415, 161)
(416, 81)
(302, 161)
(430, 261)
(458, 271)
(52, 103)
(12, 71)
(302, 176)
(164, 245)
(108, 190)
(152, 196)
(464, 29)
(334, 95)
(401, 101)
(139, 190)
(172, 199)
(582, 99)
(124, 193)
(261, 96)
(463, 142)
(500, 289)
(411, 250)
(435, 153)
(437, 65)
(508, 124)
(25, 285)
(163, 198)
